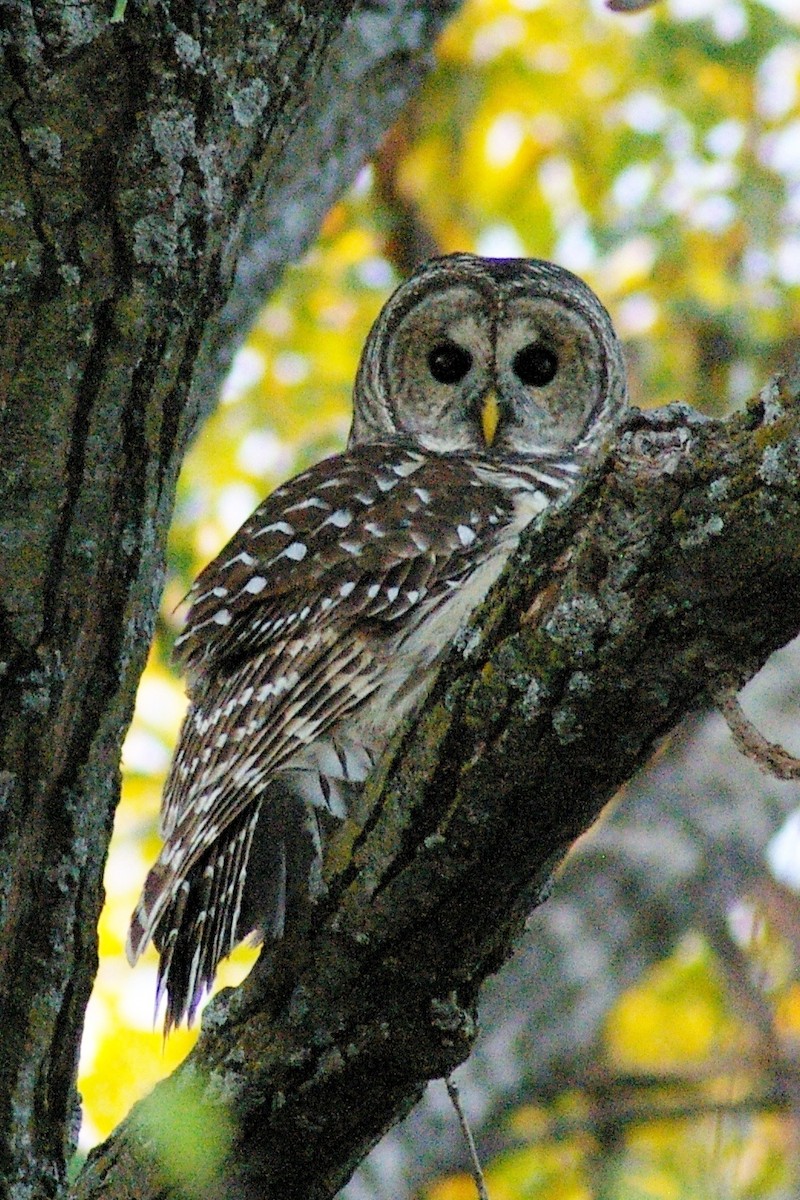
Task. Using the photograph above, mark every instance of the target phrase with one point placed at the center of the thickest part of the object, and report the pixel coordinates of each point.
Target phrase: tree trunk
(666, 582)
(134, 157)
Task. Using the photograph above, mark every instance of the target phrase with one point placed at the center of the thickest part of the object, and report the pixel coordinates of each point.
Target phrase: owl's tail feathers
(193, 919)
(148, 911)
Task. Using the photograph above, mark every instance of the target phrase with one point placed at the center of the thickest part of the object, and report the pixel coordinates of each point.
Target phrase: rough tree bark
(666, 582)
(134, 155)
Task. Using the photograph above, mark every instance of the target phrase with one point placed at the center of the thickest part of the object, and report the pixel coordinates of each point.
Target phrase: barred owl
(483, 388)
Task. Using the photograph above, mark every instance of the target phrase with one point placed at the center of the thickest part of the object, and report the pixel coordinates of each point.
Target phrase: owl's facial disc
(513, 373)
(507, 357)
(439, 368)
(550, 373)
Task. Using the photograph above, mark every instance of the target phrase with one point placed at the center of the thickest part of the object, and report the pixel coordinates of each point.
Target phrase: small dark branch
(407, 239)
(677, 566)
(629, 6)
(770, 757)
(621, 1114)
(475, 1162)
(779, 904)
(613, 1103)
(747, 998)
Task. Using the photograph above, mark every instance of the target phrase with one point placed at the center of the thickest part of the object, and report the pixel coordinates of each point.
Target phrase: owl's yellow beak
(490, 416)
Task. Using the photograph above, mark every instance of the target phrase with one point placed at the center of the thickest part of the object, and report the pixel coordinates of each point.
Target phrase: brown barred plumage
(320, 625)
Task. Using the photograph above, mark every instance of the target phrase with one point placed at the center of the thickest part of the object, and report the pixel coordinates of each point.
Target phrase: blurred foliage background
(658, 156)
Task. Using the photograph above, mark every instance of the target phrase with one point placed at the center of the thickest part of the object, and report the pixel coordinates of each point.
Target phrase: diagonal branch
(675, 568)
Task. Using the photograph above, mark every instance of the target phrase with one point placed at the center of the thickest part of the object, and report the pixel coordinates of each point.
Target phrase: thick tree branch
(133, 156)
(676, 567)
(677, 847)
(374, 66)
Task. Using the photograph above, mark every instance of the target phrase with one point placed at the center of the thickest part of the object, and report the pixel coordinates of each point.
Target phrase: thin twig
(769, 757)
(629, 6)
(477, 1170)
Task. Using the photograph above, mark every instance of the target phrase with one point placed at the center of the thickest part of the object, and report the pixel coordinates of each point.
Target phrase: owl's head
(499, 355)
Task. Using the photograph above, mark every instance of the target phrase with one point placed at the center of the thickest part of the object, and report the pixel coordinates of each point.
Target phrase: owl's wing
(294, 606)
(350, 519)
(284, 638)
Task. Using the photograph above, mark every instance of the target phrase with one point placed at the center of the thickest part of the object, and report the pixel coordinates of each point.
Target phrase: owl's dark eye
(448, 362)
(535, 364)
